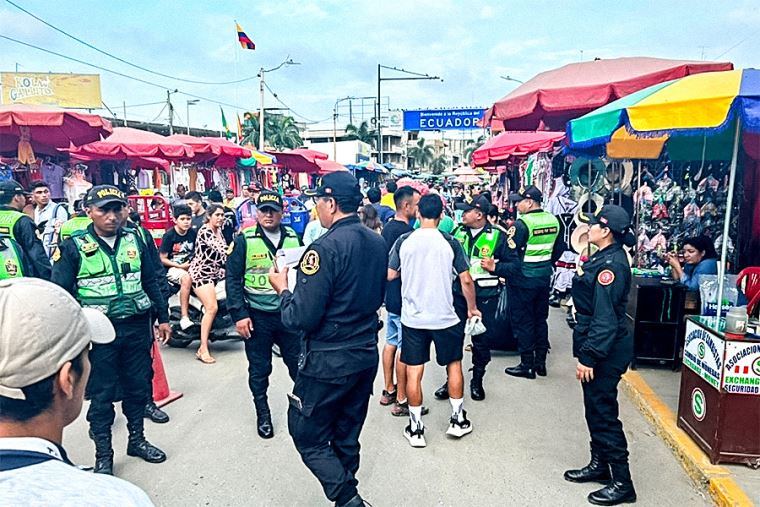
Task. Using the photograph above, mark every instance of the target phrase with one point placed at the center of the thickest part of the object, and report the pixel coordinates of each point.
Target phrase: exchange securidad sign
(443, 119)
(741, 373)
(703, 354)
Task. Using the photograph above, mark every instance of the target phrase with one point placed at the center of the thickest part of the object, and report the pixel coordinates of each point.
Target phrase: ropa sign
(443, 119)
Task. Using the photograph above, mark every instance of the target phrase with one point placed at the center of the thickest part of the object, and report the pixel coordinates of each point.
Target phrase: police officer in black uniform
(604, 349)
(19, 228)
(340, 286)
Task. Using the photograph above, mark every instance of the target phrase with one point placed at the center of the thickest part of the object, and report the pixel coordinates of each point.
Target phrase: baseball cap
(269, 199)
(337, 184)
(101, 195)
(531, 192)
(480, 202)
(43, 328)
(12, 187)
(611, 216)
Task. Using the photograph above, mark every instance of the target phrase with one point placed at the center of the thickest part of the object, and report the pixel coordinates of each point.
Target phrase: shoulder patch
(89, 247)
(310, 263)
(605, 277)
(230, 248)
(56, 254)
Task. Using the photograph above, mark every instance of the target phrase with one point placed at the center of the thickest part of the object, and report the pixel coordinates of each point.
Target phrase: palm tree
(472, 145)
(280, 132)
(439, 164)
(421, 153)
(361, 133)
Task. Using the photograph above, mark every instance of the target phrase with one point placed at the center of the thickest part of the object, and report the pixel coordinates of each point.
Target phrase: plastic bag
(708, 291)
(474, 326)
(502, 307)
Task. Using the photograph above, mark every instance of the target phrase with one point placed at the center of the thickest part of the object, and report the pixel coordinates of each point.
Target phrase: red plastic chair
(748, 282)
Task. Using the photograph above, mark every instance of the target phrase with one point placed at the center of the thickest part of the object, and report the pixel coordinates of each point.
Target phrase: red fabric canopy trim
(128, 143)
(508, 144)
(300, 160)
(52, 126)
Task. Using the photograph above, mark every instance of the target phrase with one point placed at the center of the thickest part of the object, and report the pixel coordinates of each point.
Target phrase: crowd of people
(440, 259)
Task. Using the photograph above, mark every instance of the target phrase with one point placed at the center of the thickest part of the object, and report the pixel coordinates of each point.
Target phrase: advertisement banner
(703, 354)
(741, 374)
(80, 91)
(443, 119)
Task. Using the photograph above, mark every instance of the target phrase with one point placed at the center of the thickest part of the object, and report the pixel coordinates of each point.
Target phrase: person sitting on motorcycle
(177, 247)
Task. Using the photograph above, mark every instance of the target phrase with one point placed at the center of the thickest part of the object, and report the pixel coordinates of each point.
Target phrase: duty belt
(356, 343)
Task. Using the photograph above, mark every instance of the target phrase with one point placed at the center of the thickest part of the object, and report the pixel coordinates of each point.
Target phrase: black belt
(356, 343)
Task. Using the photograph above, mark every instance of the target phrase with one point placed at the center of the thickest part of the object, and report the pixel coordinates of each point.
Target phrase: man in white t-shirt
(44, 367)
(427, 261)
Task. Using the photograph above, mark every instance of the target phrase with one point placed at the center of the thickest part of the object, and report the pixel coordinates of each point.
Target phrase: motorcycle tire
(178, 343)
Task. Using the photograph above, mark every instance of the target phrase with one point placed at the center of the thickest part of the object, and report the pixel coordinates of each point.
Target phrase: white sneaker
(458, 428)
(416, 438)
(185, 323)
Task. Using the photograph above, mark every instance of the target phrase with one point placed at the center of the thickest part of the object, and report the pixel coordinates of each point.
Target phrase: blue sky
(339, 44)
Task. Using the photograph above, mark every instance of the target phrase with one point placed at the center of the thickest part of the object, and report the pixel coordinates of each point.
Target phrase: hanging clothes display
(75, 185)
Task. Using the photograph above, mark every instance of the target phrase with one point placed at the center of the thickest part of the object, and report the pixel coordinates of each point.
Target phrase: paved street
(526, 434)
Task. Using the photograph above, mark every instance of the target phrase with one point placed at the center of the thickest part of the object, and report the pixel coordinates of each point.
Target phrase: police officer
(604, 349)
(480, 241)
(21, 251)
(528, 270)
(255, 306)
(106, 267)
(340, 286)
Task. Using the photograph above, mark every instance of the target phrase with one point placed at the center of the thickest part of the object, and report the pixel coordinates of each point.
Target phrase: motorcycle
(223, 327)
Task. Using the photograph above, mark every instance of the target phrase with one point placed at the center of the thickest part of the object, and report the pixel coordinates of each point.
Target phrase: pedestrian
(339, 289)
(254, 305)
(425, 259)
(230, 227)
(21, 250)
(313, 231)
(229, 199)
(388, 198)
(406, 202)
(532, 250)
(44, 368)
(176, 251)
(195, 202)
(604, 348)
(384, 213)
(107, 267)
(369, 218)
(48, 215)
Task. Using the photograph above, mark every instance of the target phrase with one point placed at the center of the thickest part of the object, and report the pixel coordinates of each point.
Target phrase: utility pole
(171, 110)
(124, 106)
(190, 103)
(262, 71)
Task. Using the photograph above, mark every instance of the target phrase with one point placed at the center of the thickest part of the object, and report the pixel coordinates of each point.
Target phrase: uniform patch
(56, 254)
(511, 243)
(310, 263)
(258, 256)
(11, 267)
(230, 248)
(132, 253)
(605, 277)
(89, 247)
(510, 237)
(485, 251)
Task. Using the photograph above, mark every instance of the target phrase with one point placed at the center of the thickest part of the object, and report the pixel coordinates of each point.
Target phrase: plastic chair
(748, 282)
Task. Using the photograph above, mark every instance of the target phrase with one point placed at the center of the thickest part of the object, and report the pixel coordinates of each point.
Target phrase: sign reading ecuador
(63, 90)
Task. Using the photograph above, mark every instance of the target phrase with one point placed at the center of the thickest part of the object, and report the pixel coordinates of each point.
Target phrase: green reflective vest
(543, 230)
(10, 251)
(111, 282)
(484, 247)
(258, 259)
(71, 226)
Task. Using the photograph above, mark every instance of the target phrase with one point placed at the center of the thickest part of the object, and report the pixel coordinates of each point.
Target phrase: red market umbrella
(551, 98)
(128, 143)
(510, 143)
(201, 147)
(300, 160)
(52, 126)
(329, 166)
(228, 148)
(144, 162)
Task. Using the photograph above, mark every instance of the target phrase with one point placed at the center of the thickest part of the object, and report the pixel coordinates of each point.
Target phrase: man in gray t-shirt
(427, 262)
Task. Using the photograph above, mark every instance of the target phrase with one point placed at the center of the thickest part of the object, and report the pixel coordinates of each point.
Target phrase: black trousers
(601, 410)
(481, 343)
(121, 368)
(326, 428)
(529, 311)
(268, 329)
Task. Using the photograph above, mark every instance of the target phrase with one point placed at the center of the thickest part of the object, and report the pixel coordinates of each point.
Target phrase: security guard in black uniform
(106, 266)
(532, 250)
(21, 251)
(604, 349)
(255, 306)
(340, 286)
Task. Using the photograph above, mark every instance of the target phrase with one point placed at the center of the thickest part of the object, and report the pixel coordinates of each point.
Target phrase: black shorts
(449, 343)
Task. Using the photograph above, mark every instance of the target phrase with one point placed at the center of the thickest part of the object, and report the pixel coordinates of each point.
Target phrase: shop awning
(127, 143)
(508, 144)
(300, 160)
(52, 126)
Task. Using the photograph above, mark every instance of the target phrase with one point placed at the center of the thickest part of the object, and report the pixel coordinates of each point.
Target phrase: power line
(277, 98)
(61, 31)
(159, 113)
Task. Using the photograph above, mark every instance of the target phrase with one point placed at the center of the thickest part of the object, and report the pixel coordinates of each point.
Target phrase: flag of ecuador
(244, 40)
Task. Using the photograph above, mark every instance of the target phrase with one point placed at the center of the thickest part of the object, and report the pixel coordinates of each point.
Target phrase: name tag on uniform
(89, 248)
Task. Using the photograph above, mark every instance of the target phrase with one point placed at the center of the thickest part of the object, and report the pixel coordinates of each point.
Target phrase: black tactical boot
(139, 447)
(525, 369)
(155, 414)
(540, 365)
(477, 392)
(263, 417)
(103, 454)
(443, 392)
(619, 490)
(595, 471)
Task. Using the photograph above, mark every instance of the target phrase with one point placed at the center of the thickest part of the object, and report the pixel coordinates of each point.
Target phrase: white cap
(42, 328)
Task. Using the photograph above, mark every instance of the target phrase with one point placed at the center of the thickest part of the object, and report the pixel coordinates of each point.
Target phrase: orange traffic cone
(162, 395)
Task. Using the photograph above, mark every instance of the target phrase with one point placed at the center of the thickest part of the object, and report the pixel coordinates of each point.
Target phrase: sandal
(204, 358)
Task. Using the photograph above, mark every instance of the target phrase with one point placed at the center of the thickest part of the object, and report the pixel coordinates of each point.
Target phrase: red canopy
(143, 162)
(200, 146)
(329, 166)
(509, 143)
(128, 143)
(552, 98)
(300, 160)
(52, 126)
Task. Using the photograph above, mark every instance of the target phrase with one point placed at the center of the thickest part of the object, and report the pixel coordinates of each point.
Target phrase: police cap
(101, 195)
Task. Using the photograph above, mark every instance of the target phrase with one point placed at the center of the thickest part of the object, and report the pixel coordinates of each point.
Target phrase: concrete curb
(724, 491)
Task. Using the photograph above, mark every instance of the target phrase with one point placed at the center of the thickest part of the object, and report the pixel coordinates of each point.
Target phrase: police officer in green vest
(76, 223)
(255, 306)
(21, 251)
(106, 267)
(528, 269)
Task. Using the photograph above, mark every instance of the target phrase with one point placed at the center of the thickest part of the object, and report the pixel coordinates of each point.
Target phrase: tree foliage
(280, 131)
(361, 133)
(422, 153)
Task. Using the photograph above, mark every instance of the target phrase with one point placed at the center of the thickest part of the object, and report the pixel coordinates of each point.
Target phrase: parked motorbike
(222, 329)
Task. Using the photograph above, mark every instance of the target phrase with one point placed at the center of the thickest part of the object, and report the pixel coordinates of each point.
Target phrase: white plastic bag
(474, 326)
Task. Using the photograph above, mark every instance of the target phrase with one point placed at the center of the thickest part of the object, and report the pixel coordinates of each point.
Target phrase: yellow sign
(80, 91)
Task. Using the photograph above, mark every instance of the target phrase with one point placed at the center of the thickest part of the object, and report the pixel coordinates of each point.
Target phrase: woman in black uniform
(604, 349)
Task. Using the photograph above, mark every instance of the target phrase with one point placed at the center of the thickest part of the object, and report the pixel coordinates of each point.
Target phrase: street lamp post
(171, 110)
(190, 103)
(335, 125)
(262, 71)
(415, 76)
(510, 78)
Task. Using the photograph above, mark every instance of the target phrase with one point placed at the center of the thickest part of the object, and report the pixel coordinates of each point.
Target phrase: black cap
(269, 199)
(611, 216)
(337, 184)
(532, 192)
(481, 202)
(101, 195)
(12, 187)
